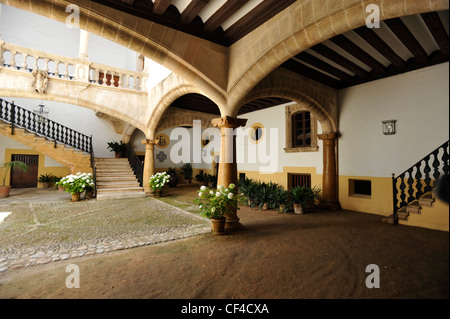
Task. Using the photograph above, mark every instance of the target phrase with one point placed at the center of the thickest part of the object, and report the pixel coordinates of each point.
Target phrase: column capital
(328, 136)
(228, 122)
(150, 142)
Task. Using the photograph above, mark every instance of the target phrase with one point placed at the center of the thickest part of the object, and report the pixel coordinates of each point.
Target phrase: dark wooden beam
(308, 72)
(192, 10)
(324, 66)
(402, 32)
(170, 18)
(358, 53)
(382, 47)
(258, 15)
(221, 15)
(437, 29)
(160, 6)
(339, 59)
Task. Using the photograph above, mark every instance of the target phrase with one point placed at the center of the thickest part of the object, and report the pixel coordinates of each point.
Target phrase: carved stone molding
(228, 122)
(40, 82)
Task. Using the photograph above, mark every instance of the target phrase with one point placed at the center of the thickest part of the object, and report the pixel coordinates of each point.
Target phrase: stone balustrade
(27, 60)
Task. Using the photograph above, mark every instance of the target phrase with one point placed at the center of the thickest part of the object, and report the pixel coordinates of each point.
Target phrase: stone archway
(299, 27)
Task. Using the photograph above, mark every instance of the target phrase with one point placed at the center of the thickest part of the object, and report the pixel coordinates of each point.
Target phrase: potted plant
(4, 190)
(173, 182)
(200, 178)
(118, 148)
(76, 184)
(187, 172)
(214, 204)
(158, 181)
(280, 200)
(46, 180)
(303, 197)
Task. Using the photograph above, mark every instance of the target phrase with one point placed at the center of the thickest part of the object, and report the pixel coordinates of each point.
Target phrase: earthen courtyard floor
(322, 255)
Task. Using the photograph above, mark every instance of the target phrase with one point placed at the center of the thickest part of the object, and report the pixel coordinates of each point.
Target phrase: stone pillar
(84, 44)
(329, 187)
(227, 163)
(149, 163)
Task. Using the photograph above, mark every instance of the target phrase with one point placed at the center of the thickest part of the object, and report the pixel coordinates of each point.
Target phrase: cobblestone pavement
(39, 233)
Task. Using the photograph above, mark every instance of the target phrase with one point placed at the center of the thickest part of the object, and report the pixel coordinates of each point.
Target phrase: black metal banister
(136, 164)
(21, 117)
(417, 180)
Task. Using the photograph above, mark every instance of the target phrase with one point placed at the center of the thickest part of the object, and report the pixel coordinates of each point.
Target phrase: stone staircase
(116, 179)
(414, 207)
(76, 160)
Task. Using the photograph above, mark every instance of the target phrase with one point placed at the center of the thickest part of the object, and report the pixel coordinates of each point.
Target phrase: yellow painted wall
(282, 178)
(42, 170)
(379, 203)
(434, 217)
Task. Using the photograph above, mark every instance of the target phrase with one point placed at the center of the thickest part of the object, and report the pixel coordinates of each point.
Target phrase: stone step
(413, 207)
(427, 200)
(115, 184)
(120, 195)
(117, 189)
(116, 178)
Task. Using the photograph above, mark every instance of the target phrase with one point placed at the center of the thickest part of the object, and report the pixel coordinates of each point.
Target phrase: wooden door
(20, 179)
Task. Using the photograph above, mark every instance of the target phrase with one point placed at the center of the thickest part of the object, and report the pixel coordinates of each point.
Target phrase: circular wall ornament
(164, 140)
(161, 157)
(256, 133)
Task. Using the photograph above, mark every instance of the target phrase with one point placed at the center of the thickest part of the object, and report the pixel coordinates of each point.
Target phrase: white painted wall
(272, 145)
(418, 100)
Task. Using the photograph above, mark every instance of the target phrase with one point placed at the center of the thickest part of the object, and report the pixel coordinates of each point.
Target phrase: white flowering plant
(159, 180)
(214, 203)
(77, 183)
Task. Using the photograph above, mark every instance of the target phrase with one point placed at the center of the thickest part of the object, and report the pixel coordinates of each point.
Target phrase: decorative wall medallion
(161, 157)
(164, 140)
(40, 82)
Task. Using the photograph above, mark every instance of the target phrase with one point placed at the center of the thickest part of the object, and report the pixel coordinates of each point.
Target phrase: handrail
(20, 117)
(414, 186)
(94, 168)
(136, 164)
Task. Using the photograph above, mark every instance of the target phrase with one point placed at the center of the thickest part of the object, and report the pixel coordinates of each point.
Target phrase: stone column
(329, 187)
(149, 163)
(84, 44)
(227, 163)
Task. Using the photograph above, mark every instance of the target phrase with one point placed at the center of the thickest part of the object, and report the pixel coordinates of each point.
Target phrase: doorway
(28, 179)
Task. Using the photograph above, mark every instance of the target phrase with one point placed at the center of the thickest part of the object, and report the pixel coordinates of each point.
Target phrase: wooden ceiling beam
(358, 53)
(378, 44)
(221, 15)
(308, 72)
(437, 29)
(192, 10)
(324, 66)
(160, 6)
(402, 32)
(339, 59)
(258, 15)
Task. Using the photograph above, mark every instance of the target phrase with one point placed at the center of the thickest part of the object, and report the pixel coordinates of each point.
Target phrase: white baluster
(104, 78)
(113, 81)
(134, 82)
(13, 59)
(119, 84)
(24, 62)
(56, 69)
(66, 70)
(127, 81)
(46, 65)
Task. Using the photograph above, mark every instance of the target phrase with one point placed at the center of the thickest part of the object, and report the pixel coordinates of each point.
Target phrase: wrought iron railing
(136, 164)
(20, 117)
(419, 178)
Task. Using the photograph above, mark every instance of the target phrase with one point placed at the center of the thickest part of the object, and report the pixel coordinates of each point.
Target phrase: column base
(333, 206)
(233, 225)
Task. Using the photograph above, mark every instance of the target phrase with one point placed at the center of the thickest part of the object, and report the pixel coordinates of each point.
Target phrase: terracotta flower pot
(158, 193)
(218, 226)
(75, 197)
(298, 209)
(4, 191)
